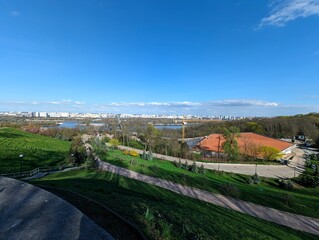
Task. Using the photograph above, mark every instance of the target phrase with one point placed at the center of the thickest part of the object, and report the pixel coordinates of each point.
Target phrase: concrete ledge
(28, 212)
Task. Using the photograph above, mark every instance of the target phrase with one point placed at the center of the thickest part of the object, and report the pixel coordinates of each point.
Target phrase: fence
(35, 171)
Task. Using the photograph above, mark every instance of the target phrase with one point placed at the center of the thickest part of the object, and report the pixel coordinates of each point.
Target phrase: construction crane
(183, 131)
(185, 121)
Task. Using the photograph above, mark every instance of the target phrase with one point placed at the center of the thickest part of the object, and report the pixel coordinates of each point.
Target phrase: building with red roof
(248, 144)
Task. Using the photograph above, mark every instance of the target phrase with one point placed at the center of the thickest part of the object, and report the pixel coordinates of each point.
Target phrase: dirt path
(299, 222)
(271, 171)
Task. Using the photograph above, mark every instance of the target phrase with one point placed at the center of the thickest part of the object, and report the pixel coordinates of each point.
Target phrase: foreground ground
(37, 214)
(162, 214)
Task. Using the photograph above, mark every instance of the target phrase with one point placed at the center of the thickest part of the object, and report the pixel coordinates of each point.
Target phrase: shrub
(249, 180)
(194, 167)
(202, 170)
(147, 155)
(308, 180)
(185, 166)
(133, 153)
(126, 152)
(256, 179)
(253, 179)
(286, 184)
(90, 162)
(136, 144)
(114, 143)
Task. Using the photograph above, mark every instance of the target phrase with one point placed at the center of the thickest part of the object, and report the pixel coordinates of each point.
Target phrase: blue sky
(234, 57)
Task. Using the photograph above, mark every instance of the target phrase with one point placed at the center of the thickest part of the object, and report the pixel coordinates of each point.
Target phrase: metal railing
(35, 171)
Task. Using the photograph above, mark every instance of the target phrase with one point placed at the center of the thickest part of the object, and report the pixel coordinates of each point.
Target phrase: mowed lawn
(37, 151)
(304, 201)
(162, 214)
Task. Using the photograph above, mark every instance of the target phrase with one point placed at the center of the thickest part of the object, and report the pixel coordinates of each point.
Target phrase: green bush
(308, 180)
(256, 179)
(194, 168)
(136, 144)
(253, 179)
(147, 155)
(286, 184)
(90, 162)
(202, 170)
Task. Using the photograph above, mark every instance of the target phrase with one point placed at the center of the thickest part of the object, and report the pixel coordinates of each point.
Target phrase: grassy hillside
(162, 214)
(37, 150)
(304, 201)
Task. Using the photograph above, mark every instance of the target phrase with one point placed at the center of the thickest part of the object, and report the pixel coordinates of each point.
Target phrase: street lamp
(21, 157)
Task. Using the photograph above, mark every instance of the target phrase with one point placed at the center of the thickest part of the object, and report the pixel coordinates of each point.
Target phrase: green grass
(38, 151)
(162, 214)
(304, 201)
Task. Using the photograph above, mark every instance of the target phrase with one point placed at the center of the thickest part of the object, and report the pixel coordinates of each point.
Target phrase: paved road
(271, 171)
(291, 220)
(28, 212)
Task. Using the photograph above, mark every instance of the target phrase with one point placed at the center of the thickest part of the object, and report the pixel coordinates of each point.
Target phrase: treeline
(278, 127)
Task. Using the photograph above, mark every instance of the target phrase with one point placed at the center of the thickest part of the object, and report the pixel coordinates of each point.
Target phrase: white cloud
(234, 107)
(79, 102)
(183, 104)
(15, 13)
(283, 11)
(242, 103)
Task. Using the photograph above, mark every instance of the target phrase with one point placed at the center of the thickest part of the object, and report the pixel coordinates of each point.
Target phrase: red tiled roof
(214, 142)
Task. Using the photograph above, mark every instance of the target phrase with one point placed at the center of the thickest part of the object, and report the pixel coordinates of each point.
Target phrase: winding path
(295, 221)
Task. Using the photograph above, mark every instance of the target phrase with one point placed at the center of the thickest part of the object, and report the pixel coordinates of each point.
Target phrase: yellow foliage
(269, 153)
(133, 153)
(126, 152)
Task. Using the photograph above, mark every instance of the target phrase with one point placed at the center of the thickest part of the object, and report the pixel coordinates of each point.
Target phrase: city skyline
(239, 58)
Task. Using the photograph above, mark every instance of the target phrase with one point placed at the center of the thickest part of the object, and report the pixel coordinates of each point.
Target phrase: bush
(308, 180)
(133, 153)
(90, 162)
(249, 180)
(286, 184)
(202, 170)
(256, 179)
(126, 152)
(147, 155)
(136, 144)
(194, 167)
(253, 179)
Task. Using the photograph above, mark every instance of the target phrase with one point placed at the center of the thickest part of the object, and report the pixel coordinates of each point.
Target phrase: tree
(114, 142)
(77, 150)
(90, 162)
(269, 153)
(230, 145)
(255, 127)
(151, 136)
